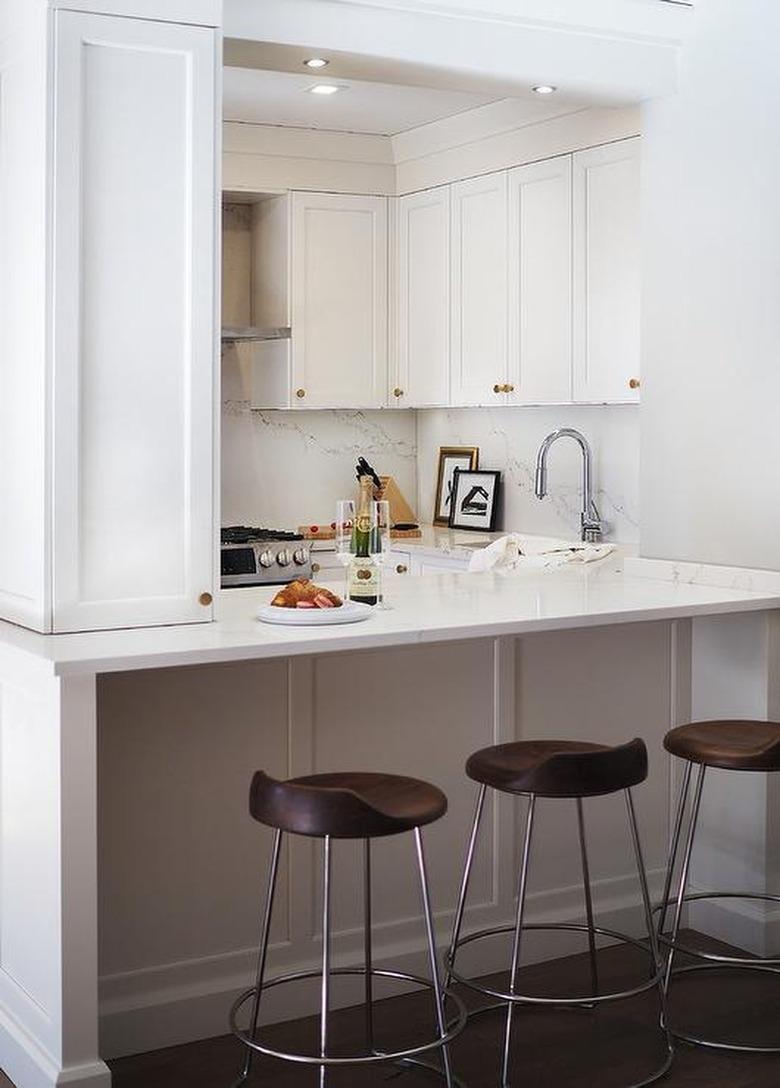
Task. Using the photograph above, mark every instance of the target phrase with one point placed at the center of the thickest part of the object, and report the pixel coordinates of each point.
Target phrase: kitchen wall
(285, 469)
(710, 376)
(508, 439)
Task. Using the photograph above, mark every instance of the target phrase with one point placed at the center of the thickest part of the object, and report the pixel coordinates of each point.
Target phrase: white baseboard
(24, 1062)
(182, 1002)
(750, 924)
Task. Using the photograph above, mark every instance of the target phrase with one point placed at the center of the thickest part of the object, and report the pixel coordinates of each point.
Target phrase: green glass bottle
(363, 577)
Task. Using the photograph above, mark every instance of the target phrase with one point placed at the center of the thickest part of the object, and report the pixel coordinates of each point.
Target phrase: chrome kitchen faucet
(591, 525)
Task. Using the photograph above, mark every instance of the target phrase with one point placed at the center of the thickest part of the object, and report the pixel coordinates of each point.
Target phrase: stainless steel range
(262, 557)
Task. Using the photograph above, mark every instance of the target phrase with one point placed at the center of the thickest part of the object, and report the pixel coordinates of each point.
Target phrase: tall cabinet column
(122, 532)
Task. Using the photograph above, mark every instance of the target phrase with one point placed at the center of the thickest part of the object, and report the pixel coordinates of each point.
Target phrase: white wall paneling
(479, 290)
(48, 890)
(339, 300)
(606, 272)
(540, 269)
(134, 306)
(192, 12)
(422, 285)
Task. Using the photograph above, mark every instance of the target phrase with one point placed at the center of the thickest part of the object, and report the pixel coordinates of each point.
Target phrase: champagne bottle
(363, 576)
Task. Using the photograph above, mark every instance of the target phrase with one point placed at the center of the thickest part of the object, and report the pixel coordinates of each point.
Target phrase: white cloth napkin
(516, 551)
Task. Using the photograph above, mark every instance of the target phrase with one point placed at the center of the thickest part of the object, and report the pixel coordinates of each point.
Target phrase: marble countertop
(431, 608)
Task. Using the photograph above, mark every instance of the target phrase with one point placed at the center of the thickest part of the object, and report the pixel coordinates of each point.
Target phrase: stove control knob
(301, 557)
(283, 558)
(266, 559)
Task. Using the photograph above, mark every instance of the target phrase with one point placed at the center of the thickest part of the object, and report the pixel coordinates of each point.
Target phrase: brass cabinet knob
(509, 388)
(634, 383)
(498, 388)
(315, 567)
(205, 599)
(398, 392)
(401, 568)
(300, 393)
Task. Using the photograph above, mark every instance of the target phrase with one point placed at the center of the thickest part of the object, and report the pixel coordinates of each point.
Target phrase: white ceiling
(384, 109)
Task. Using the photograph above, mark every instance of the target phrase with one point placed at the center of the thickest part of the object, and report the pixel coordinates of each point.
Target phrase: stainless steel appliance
(252, 556)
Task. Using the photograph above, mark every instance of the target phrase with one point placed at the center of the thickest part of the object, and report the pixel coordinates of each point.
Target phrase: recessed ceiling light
(544, 88)
(316, 62)
(324, 88)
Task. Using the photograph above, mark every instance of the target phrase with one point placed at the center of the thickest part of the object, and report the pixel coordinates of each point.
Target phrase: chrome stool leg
(594, 970)
(368, 958)
(686, 864)
(674, 844)
(521, 890)
(325, 1006)
(437, 991)
(265, 931)
(464, 884)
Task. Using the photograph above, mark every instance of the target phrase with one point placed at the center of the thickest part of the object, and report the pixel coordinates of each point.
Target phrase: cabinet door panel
(606, 272)
(540, 316)
(479, 290)
(134, 344)
(339, 301)
(424, 298)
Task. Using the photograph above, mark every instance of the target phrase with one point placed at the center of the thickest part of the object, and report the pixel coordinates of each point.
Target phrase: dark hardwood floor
(613, 1047)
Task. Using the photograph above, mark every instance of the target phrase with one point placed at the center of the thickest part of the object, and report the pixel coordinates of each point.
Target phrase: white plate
(350, 612)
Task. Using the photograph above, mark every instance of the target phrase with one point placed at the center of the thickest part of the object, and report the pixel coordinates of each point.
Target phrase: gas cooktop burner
(244, 534)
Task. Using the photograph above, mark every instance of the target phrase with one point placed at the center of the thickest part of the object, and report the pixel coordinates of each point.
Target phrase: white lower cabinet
(606, 272)
(478, 358)
(540, 267)
(339, 300)
(134, 313)
(422, 373)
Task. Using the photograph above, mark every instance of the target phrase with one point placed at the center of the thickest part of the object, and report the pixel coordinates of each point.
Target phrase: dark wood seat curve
(733, 745)
(560, 768)
(345, 805)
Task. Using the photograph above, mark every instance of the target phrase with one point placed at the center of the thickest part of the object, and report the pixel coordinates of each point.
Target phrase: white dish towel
(518, 552)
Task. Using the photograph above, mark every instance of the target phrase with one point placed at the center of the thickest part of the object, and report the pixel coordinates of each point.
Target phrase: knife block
(400, 510)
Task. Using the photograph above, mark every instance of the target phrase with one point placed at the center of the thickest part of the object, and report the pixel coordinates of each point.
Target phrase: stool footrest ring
(716, 957)
(454, 1028)
(528, 999)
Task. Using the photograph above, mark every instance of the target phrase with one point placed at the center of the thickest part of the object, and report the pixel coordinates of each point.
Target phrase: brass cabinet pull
(398, 392)
(315, 567)
(634, 383)
(300, 393)
(401, 568)
(205, 599)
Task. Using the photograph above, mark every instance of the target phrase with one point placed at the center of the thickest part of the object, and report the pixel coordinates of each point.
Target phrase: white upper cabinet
(540, 266)
(422, 376)
(479, 373)
(134, 313)
(339, 301)
(606, 272)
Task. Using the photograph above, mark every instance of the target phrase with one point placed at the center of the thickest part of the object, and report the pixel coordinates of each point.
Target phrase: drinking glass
(381, 543)
(345, 533)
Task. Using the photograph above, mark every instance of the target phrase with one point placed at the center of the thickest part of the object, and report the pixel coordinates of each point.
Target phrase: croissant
(305, 594)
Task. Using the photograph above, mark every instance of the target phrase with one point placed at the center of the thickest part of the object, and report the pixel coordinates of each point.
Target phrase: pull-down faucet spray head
(591, 525)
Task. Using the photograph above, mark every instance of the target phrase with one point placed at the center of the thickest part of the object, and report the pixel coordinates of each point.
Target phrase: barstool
(558, 769)
(732, 746)
(347, 806)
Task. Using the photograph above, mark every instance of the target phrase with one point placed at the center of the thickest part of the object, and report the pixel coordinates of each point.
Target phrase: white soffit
(383, 109)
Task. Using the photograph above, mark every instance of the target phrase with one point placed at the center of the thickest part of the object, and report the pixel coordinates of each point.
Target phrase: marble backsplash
(508, 439)
(288, 468)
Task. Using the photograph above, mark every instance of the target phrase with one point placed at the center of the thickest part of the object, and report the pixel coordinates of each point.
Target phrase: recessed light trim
(316, 62)
(544, 88)
(324, 88)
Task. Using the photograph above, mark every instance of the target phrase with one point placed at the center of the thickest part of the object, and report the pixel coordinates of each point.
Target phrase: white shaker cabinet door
(339, 301)
(479, 291)
(423, 283)
(134, 313)
(540, 266)
(606, 272)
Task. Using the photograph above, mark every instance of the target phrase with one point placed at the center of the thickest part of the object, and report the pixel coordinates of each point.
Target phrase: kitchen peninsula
(127, 757)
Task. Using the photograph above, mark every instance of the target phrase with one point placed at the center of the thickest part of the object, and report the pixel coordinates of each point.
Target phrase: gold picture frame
(450, 458)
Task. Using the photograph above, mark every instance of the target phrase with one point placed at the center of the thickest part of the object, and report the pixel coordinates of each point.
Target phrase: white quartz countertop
(431, 608)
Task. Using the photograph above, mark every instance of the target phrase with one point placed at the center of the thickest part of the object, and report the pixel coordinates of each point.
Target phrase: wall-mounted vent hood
(252, 334)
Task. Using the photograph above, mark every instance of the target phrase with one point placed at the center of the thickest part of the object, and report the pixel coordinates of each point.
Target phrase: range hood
(252, 334)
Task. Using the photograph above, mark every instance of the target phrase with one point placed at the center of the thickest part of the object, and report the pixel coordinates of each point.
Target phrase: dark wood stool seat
(559, 768)
(733, 745)
(345, 805)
